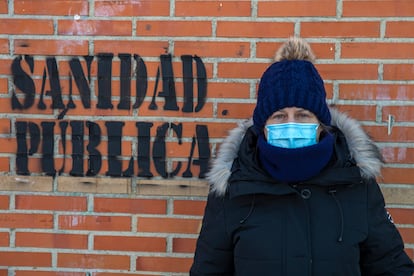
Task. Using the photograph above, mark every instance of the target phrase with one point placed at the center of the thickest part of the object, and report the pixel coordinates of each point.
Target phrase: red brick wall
(101, 225)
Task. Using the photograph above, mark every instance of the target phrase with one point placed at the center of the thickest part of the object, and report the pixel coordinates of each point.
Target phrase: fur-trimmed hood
(362, 149)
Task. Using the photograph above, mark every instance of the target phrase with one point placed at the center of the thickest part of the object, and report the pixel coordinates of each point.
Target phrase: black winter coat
(333, 224)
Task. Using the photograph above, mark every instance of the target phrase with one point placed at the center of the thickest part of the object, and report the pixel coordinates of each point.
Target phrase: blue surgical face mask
(292, 135)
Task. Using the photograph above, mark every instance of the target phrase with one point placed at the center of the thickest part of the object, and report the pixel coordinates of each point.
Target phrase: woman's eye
(278, 116)
(304, 115)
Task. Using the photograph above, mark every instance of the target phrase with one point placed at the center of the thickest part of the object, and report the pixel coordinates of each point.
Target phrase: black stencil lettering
(153, 104)
(188, 83)
(77, 148)
(187, 172)
(178, 129)
(41, 105)
(23, 82)
(104, 81)
(21, 154)
(141, 83)
(144, 140)
(114, 130)
(125, 100)
(34, 132)
(159, 150)
(56, 91)
(203, 143)
(201, 84)
(63, 126)
(88, 60)
(81, 82)
(71, 104)
(130, 170)
(168, 84)
(95, 157)
(48, 145)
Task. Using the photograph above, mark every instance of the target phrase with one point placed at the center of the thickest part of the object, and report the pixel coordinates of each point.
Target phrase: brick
(340, 29)
(142, 48)
(6, 63)
(212, 49)
(377, 92)
(4, 86)
(4, 6)
(125, 243)
(213, 8)
(397, 175)
(3, 272)
(241, 70)
(228, 90)
(65, 7)
(164, 264)
(401, 113)
(254, 29)
(17, 220)
(130, 206)
(47, 273)
(239, 111)
(367, 8)
(51, 47)
(359, 112)
(189, 207)
(348, 71)
(26, 26)
(381, 50)
(410, 252)
(174, 187)
(396, 195)
(35, 259)
(400, 155)
(26, 183)
(4, 164)
(132, 8)
(174, 28)
(215, 130)
(297, 8)
(205, 112)
(407, 234)
(95, 27)
(51, 240)
(4, 46)
(4, 202)
(118, 274)
(398, 71)
(53, 203)
(399, 134)
(399, 29)
(4, 239)
(8, 145)
(95, 185)
(94, 223)
(93, 261)
(168, 225)
(402, 216)
(184, 245)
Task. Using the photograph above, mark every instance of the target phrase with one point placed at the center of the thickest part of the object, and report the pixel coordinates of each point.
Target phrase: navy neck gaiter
(295, 165)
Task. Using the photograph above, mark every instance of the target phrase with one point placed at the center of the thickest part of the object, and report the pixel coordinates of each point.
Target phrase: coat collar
(362, 149)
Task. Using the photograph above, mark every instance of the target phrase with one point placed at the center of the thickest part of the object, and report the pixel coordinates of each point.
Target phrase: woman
(293, 191)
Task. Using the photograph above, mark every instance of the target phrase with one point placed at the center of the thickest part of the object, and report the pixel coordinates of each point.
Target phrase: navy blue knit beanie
(292, 81)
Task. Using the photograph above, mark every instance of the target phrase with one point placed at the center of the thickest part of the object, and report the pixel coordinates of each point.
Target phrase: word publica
(25, 85)
(46, 133)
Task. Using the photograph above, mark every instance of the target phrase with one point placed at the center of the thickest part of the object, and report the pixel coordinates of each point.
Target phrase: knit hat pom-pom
(291, 81)
(295, 49)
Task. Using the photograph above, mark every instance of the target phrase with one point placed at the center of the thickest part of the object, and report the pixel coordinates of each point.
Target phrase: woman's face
(292, 115)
